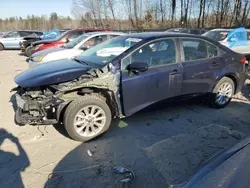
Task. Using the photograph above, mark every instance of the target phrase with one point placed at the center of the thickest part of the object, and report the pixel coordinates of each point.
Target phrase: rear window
(195, 49)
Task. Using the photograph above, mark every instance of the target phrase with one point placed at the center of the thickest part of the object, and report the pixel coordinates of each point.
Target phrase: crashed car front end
(44, 105)
(37, 105)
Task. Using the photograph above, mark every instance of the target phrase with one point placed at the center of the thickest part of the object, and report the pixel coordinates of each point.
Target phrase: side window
(94, 41)
(39, 33)
(103, 38)
(112, 36)
(12, 34)
(161, 52)
(73, 35)
(24, 33)
(212, 50)
(195, 31)
(194, 49)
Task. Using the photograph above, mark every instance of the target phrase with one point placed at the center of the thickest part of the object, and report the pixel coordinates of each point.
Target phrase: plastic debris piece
(89, 153)
(130, 175)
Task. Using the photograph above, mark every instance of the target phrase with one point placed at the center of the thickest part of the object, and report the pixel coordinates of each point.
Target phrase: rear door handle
(175, 71)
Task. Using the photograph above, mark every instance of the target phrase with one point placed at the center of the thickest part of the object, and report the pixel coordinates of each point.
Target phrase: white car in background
(71, 49)
(232, 38)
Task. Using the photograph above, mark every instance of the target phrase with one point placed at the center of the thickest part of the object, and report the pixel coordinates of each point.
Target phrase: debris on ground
(130, 175)
(89, 153)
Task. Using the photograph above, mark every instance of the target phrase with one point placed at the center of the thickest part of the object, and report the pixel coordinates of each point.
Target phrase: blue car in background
(237, 40)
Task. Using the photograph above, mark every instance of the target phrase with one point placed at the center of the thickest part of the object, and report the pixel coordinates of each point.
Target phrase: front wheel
(28, 52)
(87, 117)
(223, 93)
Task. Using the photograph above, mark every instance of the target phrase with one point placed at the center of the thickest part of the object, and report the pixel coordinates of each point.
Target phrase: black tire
(28, 52)
(78, 104)
(213, 98)
(1, 47)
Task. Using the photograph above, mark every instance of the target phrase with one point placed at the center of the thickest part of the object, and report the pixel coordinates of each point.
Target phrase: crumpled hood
(46, 51)
(43, 42)
(51, 73)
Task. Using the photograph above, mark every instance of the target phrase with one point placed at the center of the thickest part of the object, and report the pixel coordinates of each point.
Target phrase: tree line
(140, 14)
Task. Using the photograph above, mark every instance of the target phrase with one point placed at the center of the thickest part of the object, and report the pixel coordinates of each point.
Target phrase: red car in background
(64, 38)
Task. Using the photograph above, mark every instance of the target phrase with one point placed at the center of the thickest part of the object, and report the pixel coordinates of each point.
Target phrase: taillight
(243, 60)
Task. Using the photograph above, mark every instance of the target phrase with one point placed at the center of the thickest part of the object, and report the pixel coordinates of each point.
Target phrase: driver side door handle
(174, 72)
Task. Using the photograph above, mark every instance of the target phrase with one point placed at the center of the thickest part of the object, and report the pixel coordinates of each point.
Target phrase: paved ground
(160, 145)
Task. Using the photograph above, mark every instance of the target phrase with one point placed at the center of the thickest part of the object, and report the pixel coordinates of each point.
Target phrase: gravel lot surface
(159, 144)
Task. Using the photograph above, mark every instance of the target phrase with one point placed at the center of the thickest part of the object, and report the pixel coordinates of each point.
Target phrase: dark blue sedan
(124, 75)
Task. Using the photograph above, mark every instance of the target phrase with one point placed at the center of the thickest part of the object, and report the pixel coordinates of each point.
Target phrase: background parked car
(12, 39)
(194, 31)
(73, 48)
(232, 38)
(64, 38)
(27, 41)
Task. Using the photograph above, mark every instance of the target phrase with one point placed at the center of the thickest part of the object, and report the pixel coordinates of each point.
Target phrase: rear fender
(232, 76)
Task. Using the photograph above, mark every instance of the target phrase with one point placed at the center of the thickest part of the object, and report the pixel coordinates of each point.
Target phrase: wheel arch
(109, 96)
(233, 77)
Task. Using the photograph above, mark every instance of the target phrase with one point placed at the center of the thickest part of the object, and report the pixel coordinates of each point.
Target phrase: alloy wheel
(89, 121)
(224, 93)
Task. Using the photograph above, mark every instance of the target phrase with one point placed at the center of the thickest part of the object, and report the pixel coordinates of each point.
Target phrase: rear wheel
(28, 52)
(223, 93)
(87, 117)
(1, 47)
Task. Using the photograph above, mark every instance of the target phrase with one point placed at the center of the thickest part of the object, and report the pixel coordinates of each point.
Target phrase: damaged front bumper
(37, 112)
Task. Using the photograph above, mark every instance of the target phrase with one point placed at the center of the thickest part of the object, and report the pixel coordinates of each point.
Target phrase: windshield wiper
(79, 61)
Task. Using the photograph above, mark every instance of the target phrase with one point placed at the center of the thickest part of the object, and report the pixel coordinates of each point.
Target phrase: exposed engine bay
(43, 105)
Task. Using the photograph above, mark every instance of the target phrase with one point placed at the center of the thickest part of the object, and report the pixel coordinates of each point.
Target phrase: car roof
(89, 29)
(104, 33)
(149, 35)
(30, 31)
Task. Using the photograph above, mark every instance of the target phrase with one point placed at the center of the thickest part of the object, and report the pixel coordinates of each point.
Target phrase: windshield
(76, 41)
(218, 35)
(60, 36)
(109, 50)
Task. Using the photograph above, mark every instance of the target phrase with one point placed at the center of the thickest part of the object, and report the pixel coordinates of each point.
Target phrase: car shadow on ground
(160, 145)
(21, 54)
(12, 165)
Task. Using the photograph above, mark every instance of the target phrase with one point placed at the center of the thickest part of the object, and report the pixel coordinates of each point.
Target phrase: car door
(161, 81)
(10, 40)
(201, 65)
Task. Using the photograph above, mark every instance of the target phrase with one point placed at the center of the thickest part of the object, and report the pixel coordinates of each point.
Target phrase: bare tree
(111, 4)
(162, 12)
(203, 13)
(173, 11)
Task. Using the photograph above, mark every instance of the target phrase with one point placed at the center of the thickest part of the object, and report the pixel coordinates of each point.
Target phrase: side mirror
(65, 40)
(136, 67)
(84, 48)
